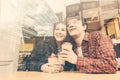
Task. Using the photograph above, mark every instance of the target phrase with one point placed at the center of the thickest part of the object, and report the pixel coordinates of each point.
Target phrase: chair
(24, 52)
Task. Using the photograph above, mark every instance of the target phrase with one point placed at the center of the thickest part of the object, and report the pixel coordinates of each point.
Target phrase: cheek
(64, 35)
(69, 31)
(55, 33)
(79, 29)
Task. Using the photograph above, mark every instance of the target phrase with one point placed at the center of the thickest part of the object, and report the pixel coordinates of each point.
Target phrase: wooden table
(58, 76)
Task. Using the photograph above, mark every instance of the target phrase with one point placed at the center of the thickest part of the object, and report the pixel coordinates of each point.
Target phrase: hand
(69, 55)
(51, 68)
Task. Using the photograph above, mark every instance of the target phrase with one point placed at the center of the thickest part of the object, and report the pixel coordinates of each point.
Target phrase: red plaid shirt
(98, 54)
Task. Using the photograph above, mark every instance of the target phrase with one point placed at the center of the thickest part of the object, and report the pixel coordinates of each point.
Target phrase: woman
(38, 60)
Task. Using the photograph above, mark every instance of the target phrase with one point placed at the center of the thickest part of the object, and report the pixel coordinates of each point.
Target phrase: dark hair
(53, 40)
(71, 40)
(53, 45)
(84, 23)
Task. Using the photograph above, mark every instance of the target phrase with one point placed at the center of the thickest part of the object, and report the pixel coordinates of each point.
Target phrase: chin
(73, 34)
(59, 40)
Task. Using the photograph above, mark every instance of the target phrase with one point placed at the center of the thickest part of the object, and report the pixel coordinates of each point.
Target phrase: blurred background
(25, 22)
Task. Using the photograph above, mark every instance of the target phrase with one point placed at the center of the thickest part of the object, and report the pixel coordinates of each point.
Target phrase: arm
(104, 60)
(38, 57)
(34, 65)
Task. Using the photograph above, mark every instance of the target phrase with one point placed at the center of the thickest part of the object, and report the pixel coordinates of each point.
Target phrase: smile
(72, 29)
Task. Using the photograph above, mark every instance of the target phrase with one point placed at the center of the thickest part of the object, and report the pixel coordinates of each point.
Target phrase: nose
(59, 31)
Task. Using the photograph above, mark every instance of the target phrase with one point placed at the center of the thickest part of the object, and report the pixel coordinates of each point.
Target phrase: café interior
(33, 22)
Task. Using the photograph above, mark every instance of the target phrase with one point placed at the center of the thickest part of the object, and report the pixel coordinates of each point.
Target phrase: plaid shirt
(98, 54)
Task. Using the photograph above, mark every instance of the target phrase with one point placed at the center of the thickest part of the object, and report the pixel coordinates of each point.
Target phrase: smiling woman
(60, 32)
(38, 60)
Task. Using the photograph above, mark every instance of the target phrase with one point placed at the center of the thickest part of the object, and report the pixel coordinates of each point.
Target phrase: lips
(59, 36)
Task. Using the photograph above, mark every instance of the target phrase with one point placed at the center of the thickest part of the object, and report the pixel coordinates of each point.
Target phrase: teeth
(59, 36)
(72, 29)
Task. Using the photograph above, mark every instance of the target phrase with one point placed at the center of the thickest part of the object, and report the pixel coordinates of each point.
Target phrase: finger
(51, 70)
(64, 53)
(65, 49)
(57, 64)
(58, 69)
(48, 64)
(64, 56)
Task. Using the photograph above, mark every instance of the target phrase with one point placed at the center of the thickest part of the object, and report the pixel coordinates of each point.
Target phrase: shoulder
(97, 34)
(43, 43)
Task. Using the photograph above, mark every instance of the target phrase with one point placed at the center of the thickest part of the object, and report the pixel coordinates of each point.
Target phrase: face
(60, 32)
(75, 28)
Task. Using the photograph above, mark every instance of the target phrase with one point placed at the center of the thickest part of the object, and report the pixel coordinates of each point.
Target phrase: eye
(70, 26)
(63, 29)
(56, 29)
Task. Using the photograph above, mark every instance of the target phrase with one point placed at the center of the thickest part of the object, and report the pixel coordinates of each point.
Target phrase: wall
(113, 28)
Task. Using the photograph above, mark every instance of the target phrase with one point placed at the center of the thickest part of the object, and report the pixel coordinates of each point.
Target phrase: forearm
(34, 66)
(89, 65)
